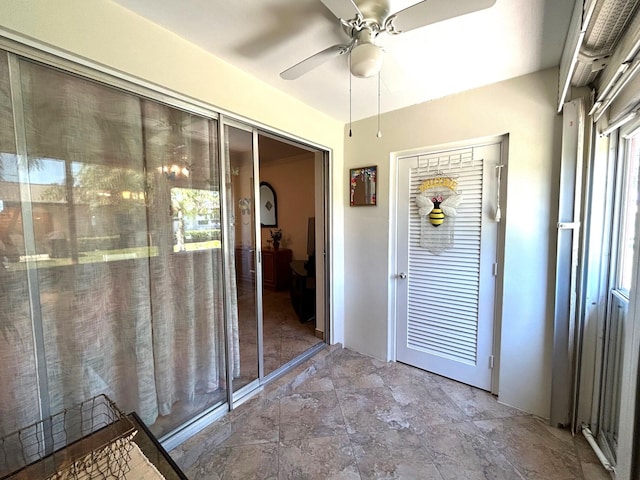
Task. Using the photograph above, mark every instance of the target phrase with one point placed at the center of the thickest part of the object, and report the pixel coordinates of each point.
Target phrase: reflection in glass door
(241, 187)
(291, 180)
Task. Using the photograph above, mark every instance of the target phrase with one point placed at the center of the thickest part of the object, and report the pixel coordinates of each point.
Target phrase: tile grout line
(344, 421)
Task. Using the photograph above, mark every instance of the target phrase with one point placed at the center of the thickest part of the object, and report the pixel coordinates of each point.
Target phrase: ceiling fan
(365, 21)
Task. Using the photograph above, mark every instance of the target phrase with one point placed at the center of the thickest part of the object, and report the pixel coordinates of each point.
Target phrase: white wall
(523, 108)
(107, 34)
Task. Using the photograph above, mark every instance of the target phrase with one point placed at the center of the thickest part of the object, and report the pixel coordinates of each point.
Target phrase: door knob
(402, 275)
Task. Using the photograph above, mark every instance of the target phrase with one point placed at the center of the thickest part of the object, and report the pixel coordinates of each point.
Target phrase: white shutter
(444, 289)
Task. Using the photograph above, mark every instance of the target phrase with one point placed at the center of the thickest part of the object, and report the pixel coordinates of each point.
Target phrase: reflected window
(196, 219)
(628, 217)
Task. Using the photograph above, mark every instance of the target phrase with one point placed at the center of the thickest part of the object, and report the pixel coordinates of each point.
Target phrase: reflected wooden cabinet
(276, 273)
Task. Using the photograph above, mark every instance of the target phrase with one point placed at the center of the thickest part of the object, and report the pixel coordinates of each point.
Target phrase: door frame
(628, 456)
(235, 397)
(392, 302)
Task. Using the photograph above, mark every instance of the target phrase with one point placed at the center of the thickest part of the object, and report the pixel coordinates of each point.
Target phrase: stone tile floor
(341, 415)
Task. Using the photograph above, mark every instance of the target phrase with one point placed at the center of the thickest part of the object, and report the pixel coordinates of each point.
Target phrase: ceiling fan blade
(343, 9)
(313, 61)
(433, 11)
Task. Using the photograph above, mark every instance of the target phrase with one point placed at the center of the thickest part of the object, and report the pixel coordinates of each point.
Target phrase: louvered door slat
(455, 330)
(428, 304)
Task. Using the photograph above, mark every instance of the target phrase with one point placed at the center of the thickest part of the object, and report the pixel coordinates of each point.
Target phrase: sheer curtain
(124, 309)
(231, 286)
(188, 288)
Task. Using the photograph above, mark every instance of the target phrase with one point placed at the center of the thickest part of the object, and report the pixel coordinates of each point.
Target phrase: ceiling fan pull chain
(379, 134)
(349, 93)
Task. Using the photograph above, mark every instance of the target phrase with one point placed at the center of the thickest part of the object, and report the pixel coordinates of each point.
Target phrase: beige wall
(524, 109)
(293, 181)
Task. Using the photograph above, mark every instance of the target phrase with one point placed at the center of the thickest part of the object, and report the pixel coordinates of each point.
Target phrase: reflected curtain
(231, 287)
(188, 287)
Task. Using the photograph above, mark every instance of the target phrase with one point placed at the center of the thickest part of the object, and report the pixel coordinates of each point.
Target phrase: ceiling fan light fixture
(366, 60)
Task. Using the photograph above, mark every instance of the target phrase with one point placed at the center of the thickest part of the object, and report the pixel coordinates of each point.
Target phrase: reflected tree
(190, 202)
(122, 191)
(12, 221)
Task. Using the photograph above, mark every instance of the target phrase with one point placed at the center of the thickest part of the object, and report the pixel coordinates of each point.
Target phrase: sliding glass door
(130, 252)
(239, 149)
(273, 187)
(111, 278)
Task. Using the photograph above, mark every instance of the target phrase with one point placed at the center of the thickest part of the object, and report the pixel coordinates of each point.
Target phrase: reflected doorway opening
(292, 279)
(278, 196)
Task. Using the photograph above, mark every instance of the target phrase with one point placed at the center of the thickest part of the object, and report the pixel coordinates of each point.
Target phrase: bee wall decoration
(438, 203)
(437, 208)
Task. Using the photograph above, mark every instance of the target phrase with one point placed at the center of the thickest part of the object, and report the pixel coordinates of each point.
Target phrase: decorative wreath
(437, 203)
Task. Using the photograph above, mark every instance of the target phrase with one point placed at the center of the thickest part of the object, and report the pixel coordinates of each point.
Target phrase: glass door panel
(290, 174)
(123, 231)
(627, 235)
(239, 150)
(185, 264)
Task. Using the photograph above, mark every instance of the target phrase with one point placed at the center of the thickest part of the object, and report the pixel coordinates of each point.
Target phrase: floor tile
(538, 450)
(313, 414)
(394, 373)
(475, 403)
(261, 426)
(318, 458)
(202, 443)
(461, 452)
(318, 380)
(355, 372)
(393, 454)
(424, 404)
(591, 467)
(243, 462)
(371, 410)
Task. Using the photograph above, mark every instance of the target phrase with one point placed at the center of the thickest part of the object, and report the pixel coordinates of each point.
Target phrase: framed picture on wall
(362, 186)
(268, 206)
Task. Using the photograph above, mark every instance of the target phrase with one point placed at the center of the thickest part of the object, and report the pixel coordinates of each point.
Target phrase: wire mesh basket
(89, 441)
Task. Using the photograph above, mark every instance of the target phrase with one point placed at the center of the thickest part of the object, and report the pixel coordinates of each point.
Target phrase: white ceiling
(265, 37)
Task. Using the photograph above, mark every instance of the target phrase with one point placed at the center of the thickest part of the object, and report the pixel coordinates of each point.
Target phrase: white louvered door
(445, 303)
